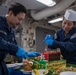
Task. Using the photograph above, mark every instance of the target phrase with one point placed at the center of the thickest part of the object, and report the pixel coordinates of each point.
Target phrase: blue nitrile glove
(33, 54)
(21, 53)
(48, 37)
(48, 40)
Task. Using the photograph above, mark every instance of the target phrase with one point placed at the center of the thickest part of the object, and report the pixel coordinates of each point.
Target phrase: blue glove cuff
(51, 42)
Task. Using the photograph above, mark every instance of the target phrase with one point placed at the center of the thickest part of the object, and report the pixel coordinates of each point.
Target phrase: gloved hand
(48, 40)
(48, 37)
(21, 53)
(33, 54)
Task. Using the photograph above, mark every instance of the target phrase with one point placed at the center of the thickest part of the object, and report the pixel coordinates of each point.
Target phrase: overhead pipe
(52, 10)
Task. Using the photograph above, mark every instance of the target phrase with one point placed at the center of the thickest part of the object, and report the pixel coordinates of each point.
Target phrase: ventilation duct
(52, 10)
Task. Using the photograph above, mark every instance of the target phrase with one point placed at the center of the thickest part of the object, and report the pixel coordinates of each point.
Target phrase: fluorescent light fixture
(56, 20)
(47, 2)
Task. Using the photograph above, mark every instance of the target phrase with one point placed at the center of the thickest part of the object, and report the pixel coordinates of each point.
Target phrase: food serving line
(49, 63)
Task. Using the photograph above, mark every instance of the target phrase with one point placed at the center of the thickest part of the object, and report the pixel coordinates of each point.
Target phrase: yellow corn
(36, 72)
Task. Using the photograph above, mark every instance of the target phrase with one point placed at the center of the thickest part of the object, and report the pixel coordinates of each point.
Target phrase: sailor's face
(67, 25)
(17, 20)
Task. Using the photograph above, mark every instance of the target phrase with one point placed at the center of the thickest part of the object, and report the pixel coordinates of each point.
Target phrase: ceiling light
(56, 20)
(47, 2)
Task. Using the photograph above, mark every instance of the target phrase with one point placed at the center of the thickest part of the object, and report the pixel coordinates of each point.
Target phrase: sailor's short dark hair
(16, 8)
